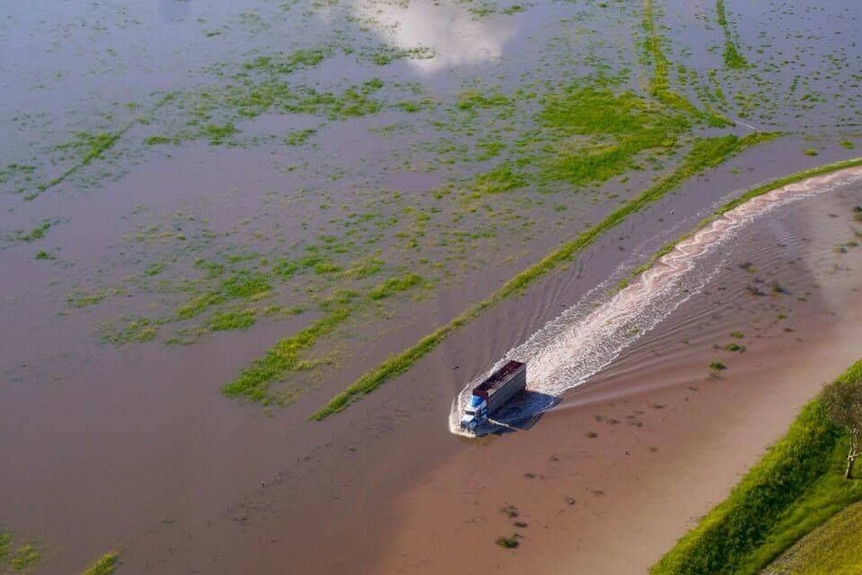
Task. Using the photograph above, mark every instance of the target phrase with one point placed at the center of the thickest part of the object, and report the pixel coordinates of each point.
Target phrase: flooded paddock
(215, 217)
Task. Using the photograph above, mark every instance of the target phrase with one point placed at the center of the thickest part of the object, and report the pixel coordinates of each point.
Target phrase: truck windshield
(470, 412)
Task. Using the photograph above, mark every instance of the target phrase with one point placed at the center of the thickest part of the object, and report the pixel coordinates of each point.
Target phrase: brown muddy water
(154, 153)
(607, 481)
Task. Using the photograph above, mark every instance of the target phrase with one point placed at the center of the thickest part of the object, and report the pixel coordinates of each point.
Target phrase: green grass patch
(80, 299)
(218, 134)
(732, 57)
(15, 558)
(604, 133)
(36, 233)
(474, 99)
(25, 557)
(797, 486)
(395, 285)
(5, 545)
(704, 154)
(299, 137)
(197, 305)
(254, 382)
(231, 320)
(831, 549)
(242, 284)
(385, 54)
(157, 140)
(92, 146)
(287, 355)
(659, 86)
(104, 565)
(154, 269)
(286, 63)
(135, 330)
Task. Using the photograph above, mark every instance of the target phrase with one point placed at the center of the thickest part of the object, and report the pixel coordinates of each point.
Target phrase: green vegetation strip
(104, 565)
(660, 83)
(287, 355)
(731, 55)
(254, 381)
(796, 487)
(705, 154)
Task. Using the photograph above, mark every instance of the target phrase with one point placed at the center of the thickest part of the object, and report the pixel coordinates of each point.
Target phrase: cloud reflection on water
(456, 36)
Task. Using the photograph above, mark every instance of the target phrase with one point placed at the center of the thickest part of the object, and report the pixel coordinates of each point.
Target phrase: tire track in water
(591, 334)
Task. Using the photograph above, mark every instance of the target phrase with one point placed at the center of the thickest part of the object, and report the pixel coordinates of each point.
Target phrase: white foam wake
(588, 336)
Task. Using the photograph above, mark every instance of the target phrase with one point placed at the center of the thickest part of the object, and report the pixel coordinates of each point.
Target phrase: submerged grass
(797, 486)
(253, 382)
(25, 557)
(36, 233)
(286, 356)
(705, 154)
(17, 558)
(731, 55)
(104, 565)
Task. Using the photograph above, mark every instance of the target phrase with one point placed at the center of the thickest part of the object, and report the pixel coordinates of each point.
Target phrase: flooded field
(223, 225)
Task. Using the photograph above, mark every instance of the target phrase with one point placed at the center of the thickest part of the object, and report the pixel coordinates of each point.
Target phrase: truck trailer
(491, 394)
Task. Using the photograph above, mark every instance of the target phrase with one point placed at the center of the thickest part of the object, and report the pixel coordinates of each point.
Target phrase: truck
(491, 394)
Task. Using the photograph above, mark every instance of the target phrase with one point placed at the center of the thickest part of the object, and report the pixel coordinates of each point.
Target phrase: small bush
(810, 152)
(717, 366)
(508, 542)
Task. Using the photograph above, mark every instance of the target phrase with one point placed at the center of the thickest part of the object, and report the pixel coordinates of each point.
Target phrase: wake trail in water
(591, 334)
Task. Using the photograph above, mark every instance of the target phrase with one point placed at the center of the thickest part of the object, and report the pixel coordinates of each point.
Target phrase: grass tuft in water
(104, 565)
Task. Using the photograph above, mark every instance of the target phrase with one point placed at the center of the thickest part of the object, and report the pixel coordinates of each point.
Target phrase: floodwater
(156, 147)
(601, 330)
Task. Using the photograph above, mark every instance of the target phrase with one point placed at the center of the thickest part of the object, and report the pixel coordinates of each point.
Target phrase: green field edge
(795, 488)
(709, 154)
(736, 202)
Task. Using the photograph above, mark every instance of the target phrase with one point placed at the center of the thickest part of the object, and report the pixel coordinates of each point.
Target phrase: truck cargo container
(494, 392)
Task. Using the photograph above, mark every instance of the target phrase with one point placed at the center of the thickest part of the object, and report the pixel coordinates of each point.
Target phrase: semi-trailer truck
(491, 394)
